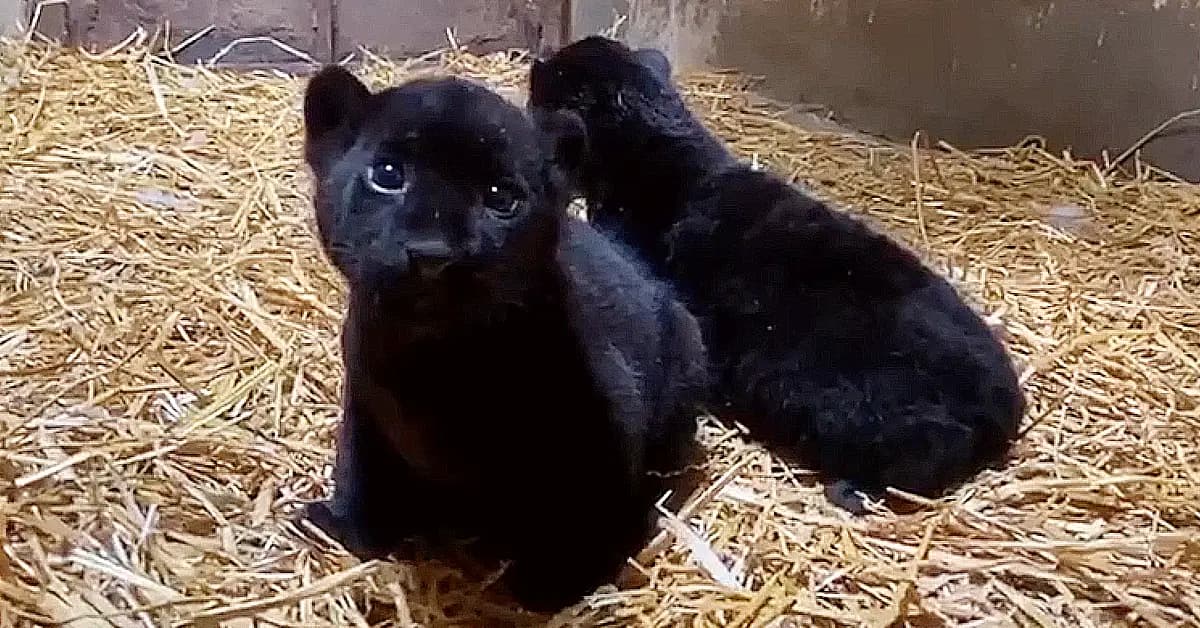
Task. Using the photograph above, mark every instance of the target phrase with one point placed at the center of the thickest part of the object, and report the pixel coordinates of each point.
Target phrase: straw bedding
(169, 378)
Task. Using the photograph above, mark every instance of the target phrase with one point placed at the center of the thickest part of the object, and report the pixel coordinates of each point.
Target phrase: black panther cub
(509, 375)
(827, 337)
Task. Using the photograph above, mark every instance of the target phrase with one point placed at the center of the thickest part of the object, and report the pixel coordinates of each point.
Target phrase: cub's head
(601, 79)
(434, 178)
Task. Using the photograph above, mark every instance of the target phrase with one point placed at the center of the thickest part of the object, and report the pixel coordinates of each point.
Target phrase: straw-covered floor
(169, 374)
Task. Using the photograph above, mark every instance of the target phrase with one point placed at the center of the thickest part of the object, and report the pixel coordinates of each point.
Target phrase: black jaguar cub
(508, 374)
(828, 338)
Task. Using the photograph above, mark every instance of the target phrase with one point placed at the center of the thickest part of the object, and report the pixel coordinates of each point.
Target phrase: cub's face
(431, 176)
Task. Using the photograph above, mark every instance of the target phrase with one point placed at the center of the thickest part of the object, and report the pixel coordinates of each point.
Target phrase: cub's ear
(334, 98)
(654, 59)
(564, 137)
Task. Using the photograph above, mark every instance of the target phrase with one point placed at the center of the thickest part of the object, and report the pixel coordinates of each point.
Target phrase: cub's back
(642, 342)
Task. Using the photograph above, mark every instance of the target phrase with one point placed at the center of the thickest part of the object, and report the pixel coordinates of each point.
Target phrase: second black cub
(508, 375)
(828, 337)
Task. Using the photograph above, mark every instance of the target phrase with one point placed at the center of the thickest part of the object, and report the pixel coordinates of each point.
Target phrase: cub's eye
(501, 202)
(386, 177)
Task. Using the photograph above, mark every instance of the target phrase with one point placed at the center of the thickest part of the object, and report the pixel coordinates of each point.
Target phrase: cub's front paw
(547, 591)
(356, 537)
(850, 497)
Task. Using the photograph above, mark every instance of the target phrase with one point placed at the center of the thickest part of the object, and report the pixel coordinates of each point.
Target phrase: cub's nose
(429, 257)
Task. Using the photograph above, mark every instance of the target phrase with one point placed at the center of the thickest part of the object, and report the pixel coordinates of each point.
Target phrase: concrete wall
(1089, 74)
(684, 29)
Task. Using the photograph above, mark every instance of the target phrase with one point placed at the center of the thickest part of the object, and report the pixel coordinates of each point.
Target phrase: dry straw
(169, 377)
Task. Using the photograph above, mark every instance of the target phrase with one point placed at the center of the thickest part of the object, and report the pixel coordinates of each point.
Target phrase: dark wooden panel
(51, 20)
(418, 26)
(303, 25)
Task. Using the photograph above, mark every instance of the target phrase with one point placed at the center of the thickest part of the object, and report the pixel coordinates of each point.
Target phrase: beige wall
(1090, 74)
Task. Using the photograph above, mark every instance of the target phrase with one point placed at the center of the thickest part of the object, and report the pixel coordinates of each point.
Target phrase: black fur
(509, 375)
(827, 336)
